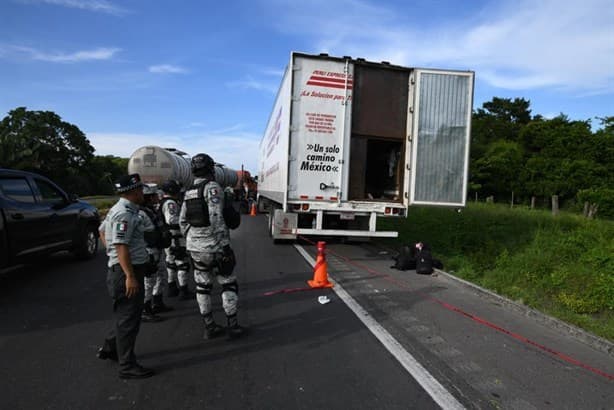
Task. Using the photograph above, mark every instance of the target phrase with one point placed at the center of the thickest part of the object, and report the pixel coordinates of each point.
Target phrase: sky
(202, 76)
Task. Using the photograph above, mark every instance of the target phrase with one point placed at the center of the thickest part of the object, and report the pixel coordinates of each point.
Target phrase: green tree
(104, 171)
(498, 170)
(557, 138)
(499, 119)
(562, 157)
(496, 154)
(40, 141)
(602, 149)
(514, 111)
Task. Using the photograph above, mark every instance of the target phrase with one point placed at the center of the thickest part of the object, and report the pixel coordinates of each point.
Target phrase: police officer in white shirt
(126, 249)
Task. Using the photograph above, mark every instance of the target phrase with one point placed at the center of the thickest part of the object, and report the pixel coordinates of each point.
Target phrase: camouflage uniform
(177, 263)
(206, 246)
(156, 278)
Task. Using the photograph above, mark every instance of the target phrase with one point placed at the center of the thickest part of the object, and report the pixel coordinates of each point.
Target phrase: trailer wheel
(272, 224)
(271, 221)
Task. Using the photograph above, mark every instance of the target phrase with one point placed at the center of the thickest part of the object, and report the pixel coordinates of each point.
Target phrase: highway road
(386, 340)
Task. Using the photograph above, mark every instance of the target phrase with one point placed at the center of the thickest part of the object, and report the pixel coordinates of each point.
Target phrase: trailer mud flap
(284, 225)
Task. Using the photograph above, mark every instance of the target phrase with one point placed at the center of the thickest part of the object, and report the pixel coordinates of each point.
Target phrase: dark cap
(127, 183)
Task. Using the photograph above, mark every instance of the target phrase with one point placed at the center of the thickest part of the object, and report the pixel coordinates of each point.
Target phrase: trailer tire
(270, 224)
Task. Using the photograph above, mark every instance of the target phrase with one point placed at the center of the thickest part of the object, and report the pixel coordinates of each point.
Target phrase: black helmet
(171, 187)
(202, 164)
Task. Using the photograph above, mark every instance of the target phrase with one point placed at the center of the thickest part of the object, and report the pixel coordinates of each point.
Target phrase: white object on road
(323, 300)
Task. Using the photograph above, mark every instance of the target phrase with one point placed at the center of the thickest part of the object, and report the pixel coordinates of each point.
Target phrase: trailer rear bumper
(284, 225)
(344, 232)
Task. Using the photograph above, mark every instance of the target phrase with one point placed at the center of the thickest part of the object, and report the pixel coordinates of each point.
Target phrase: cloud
(275, 72)
(558, 44)
(98, 6)
(167, 69)
(195, 124)
(250, 83)
(103, 53)
(231, 146)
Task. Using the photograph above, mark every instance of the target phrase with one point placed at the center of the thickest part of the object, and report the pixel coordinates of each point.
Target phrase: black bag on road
(405, 259)
(424, 259)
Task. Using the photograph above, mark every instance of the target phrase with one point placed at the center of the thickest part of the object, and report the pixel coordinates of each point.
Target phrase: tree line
(515, 156)
(39, 141)
(527, 159)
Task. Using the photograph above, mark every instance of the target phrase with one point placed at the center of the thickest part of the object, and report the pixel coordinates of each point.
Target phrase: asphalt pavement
(299, 354)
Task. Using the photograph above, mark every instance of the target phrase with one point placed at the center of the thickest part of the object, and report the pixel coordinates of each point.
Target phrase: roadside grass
(102, 202)
(562, 266)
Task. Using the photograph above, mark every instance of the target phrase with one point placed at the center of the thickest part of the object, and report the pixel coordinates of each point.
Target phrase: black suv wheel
(88, 244)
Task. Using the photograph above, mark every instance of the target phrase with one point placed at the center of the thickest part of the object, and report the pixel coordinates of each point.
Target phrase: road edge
(594, 341)
(440, 395)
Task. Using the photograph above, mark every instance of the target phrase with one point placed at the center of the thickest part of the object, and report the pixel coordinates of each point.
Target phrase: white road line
(439, 394)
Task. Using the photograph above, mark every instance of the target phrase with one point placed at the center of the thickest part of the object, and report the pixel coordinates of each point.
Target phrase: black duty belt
(137, 268)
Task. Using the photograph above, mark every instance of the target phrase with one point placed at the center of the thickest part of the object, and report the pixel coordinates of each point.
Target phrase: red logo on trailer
(329, 79)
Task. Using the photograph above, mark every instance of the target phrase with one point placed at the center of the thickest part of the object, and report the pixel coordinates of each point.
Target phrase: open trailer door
(440, 136)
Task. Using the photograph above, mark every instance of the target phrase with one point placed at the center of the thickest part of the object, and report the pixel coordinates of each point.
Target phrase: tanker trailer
(157, 165)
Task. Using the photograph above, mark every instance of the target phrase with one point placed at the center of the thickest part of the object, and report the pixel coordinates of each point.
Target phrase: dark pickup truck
(38, 218)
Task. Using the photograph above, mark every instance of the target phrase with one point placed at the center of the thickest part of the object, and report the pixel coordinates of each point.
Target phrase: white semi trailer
(351, 140)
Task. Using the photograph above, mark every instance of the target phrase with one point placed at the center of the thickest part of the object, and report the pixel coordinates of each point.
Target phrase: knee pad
(204, 289)
(171, 265)
(230, 287)
(200, 266)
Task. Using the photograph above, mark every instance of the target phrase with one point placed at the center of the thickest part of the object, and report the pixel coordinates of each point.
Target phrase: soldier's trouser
(154, 284)
(205, 269)
(127, 314)
(177, 266)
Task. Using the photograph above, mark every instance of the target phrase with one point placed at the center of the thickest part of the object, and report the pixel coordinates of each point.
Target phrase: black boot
(233, 330)
(173, 290)
(185, 294)
(212, 329)
(107, 354)
(148, 315)
(158, 305)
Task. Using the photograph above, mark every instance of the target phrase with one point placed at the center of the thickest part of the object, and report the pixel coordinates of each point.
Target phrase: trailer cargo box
(350, 140)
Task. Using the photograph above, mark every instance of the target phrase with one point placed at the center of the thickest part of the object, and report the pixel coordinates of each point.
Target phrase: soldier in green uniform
(126, 249)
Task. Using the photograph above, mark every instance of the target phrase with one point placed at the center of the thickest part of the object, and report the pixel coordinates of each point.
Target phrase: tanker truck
(156, 165)
(349, 141)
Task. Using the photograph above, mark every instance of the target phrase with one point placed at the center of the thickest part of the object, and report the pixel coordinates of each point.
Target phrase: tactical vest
(152, 238)
(197, 210)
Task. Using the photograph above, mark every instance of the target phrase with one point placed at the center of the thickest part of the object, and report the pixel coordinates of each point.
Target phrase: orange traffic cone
(252, 212)
(320, 270)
